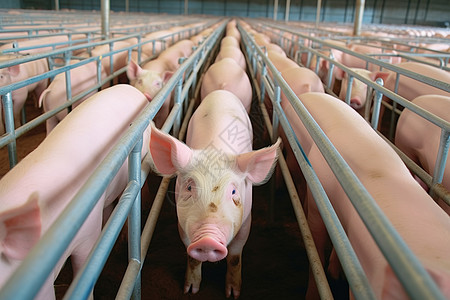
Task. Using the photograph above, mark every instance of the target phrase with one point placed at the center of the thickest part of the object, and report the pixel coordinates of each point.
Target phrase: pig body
(82, 78)
(354, 62)
(359, 90)
(216, 169)
(19, 73)
(226, 74)
(39, 188)
(407, 206)
(419, 138)
(408, 88)
(234, 53)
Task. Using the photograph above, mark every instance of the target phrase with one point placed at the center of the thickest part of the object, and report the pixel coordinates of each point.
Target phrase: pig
(422, 224)
(300, 79)
(408, 88)
(153, 75)
(82, 78)
(359, 90)
(44, 44)
(19, 73)
(226, 74)
(119, 59)
(419, 138)
(234, 53)
(229, 41)
(354, 62)
(216, 170)
(40, 186)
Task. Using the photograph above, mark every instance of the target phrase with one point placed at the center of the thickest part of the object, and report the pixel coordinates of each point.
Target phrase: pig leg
(193, 275)
(234, 260)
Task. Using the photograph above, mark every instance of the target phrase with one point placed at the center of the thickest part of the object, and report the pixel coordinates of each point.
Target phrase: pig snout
(356, 102)
(209, 244)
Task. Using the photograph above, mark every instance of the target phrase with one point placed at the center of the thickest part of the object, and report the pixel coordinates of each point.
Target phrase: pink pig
(18, 73)
(36, 191)
(226, 74)
(234, 53)
(407, 206)
(82, 78)
(216, 169)
(408, 88)
(419, 138)
(153, 75)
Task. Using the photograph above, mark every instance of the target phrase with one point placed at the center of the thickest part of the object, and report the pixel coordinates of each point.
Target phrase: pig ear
(375, 75)
(259, 164)
(20, 228)
(166, 76)
(133, 70)
(169, 154)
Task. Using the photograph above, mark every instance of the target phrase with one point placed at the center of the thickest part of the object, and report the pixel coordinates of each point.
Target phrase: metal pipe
(359, 13)
(134, 217)
(319, 5)
(275, 10)
(105, 19)
(288, 7)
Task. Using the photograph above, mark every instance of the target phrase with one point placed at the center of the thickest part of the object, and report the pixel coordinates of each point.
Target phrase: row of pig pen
(292, 39)
(254, 265)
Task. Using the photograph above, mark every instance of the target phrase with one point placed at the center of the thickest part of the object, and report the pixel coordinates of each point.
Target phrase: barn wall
(410, 12)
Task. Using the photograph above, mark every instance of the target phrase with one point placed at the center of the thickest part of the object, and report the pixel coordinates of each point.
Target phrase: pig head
(215, 172)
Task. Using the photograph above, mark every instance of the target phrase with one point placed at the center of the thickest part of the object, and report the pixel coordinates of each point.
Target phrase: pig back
(221, 120)
(69, 154)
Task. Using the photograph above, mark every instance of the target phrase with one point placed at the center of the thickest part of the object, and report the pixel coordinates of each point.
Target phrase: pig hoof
(191, 287)
(232, 290)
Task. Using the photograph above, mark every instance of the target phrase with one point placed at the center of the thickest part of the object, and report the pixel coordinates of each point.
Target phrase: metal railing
(415, 279)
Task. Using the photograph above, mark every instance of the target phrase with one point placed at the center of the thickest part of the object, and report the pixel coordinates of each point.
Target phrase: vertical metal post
(275, 10)
(349, 89)
(377, 105)
(134, 218)
(186, 3)
(68, 88)
(358, 17)
(177, 100)
(288, 7)
(127, 5)
(9, 127)
(319, 4)
(56, 5)
(441, 159)
(105, 19)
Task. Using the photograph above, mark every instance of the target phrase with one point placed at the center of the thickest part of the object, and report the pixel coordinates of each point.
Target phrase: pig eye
(190, 185)
(233, 192)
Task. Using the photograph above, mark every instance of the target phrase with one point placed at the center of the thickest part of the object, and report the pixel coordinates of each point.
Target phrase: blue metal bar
(9, 127)
(134, 219)
(82, 285)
